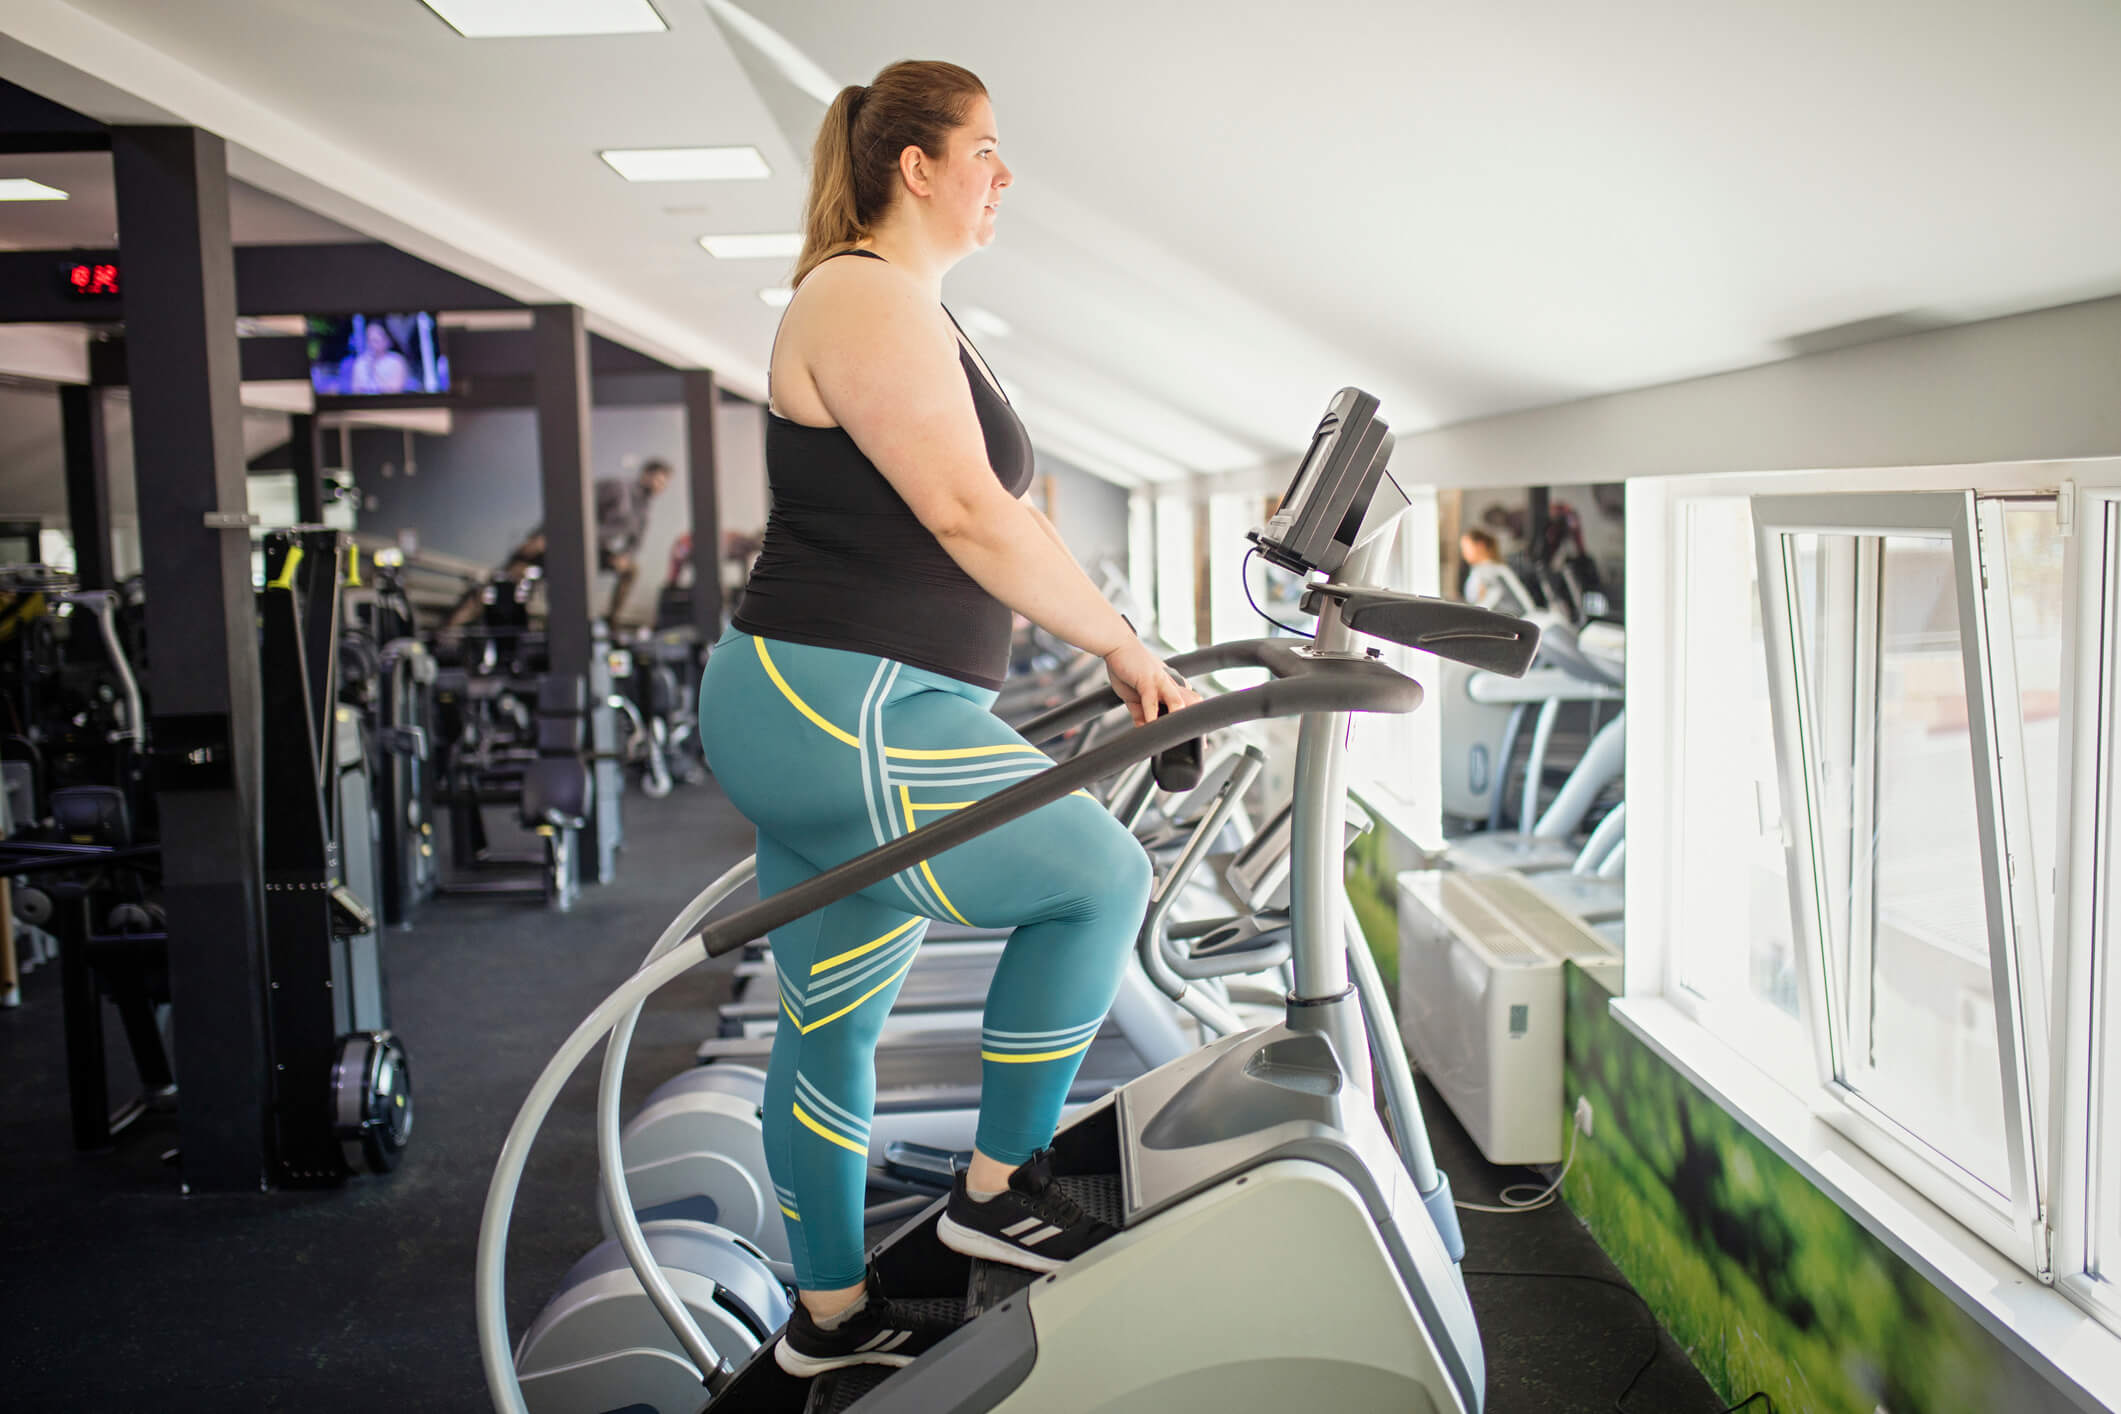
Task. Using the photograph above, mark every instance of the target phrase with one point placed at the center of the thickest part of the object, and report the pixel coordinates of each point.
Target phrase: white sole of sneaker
(964, 1240)
(803, 1367)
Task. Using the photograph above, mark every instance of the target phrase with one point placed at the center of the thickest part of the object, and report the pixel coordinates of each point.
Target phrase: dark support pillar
(180, 318)
(560, 357)
(87, 482)
(560, 369)
(305, 450)
(703, 468)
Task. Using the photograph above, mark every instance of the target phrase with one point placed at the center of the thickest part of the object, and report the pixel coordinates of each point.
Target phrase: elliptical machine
(1272, 1131)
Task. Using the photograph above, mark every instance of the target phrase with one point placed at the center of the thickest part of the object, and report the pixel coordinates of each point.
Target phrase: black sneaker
(1034, 1225)
(883, 1332)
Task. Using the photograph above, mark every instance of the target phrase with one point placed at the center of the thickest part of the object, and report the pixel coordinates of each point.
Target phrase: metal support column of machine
(87, 450)
(305, 450)
(703, 473)
(560, 367)
(180, 315)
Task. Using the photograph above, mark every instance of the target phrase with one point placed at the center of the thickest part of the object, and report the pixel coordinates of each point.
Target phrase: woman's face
(378, 339)
(970, 181)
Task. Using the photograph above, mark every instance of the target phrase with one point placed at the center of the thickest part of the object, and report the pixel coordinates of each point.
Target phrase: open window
(2086, 1132)
(1914, 650)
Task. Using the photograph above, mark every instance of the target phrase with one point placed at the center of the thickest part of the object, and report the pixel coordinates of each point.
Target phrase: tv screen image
(376, 355)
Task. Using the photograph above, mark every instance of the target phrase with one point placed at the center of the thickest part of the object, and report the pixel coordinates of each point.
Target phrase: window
(2087, 857)
(1174, 571)
(1729, 894)
(1889, 623)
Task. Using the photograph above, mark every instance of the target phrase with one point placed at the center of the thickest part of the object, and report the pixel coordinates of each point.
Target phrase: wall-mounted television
(376, 355)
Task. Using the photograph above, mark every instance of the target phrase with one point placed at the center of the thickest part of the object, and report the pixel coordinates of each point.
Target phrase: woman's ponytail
(854, 162)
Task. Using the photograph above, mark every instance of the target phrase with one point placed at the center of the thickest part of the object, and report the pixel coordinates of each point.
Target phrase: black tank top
(846, 564)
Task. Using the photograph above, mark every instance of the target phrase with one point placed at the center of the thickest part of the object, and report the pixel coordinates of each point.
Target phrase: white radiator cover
(1481, 1003)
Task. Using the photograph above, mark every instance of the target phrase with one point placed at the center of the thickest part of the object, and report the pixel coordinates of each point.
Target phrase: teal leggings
(830, 754)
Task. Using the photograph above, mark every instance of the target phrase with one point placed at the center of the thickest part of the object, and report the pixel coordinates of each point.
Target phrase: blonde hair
(854, 163)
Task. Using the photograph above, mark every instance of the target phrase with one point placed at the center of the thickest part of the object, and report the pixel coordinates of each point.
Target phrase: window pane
(1729, 831)
(1174, 572)
(1884, 701)
(2103, 558)
(2033, 544)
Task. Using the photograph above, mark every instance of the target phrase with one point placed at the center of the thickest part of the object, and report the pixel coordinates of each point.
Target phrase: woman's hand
(1143, 682)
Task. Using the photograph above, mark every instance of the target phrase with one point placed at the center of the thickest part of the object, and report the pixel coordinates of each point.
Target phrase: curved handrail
(611, 1162)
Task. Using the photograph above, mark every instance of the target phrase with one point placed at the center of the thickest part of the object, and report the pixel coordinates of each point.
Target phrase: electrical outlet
(1583, 1115)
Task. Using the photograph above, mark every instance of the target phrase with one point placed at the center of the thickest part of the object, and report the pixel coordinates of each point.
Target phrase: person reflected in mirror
(1490, 582)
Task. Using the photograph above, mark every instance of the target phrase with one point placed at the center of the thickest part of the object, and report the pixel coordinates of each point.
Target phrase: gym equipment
(327, 1007)
(1271, 1131)
(499, 753)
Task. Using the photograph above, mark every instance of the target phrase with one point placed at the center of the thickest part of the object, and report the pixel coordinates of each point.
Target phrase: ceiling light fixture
(687, 164)
(23, 189)
(538, 19)
(778, 296)
(765, 247)
(985, 321)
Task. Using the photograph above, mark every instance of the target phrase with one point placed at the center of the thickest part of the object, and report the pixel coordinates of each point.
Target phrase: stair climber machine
(1283, 1235)
(696, 1149)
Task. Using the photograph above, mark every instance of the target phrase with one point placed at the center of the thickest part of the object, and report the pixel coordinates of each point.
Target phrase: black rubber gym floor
(118, 1293)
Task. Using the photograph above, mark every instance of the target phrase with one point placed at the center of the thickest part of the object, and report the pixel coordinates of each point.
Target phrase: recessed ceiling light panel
(778, 297)
(785, 247)
(530, 19)
(687, 164)
(23, 189)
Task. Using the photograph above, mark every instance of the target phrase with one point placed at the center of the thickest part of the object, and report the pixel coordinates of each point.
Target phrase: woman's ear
(913, 169)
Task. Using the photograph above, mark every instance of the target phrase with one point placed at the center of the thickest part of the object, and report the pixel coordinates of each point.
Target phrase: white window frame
(2085, 1120)
(2070, 1331)
(2018, 1227)
(1660, 554)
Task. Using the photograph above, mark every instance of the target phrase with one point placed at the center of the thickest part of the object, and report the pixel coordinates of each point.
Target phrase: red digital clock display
(85, 279)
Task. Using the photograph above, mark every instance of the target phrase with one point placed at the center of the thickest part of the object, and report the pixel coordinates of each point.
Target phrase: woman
(849, 703)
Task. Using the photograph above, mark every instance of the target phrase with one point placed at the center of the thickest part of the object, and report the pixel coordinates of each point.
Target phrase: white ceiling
(1224, 210)
(88, 218)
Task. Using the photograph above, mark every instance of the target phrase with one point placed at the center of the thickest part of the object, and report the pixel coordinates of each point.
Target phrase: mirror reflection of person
(622, 518)
(378, 367)
(1490, 582)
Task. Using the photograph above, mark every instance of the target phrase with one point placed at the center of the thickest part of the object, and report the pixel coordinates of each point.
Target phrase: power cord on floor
(1656, 1345)
(1544, 1198)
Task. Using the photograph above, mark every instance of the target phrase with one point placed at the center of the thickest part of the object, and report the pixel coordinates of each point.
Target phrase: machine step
(993, 1283)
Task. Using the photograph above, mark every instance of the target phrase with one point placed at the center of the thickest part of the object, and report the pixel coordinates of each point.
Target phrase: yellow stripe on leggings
(791, 1012)
(766, 661)
(865, 947)
(906, 753)
(824, 1133)
(791, 1216)
(909, 753)
(862, 998)
(1041, 1056)
(906, 795)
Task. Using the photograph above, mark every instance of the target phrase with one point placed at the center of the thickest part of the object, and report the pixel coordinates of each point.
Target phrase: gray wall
(2031, 387)
(33, 461)
(475, 492)
(1089, 512)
